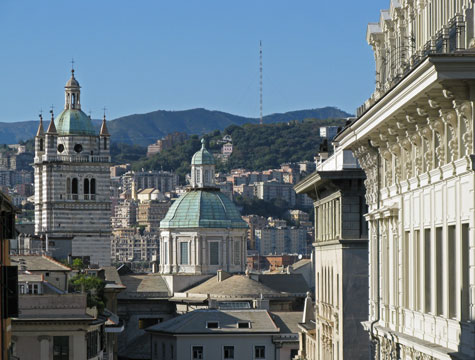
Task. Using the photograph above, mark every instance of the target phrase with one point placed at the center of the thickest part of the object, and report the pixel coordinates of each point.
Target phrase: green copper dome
(202, 156)
(203, 209)
(73, 122)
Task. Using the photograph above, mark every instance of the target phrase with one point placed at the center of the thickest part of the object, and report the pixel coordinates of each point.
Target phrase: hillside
(144, 129)
(255, 147)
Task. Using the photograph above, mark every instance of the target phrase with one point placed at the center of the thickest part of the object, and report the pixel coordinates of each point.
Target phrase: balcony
(77, 158)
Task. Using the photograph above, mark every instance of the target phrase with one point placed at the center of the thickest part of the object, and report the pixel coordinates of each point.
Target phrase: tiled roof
(144, 286)
(205, 209)
(38, 263)
(287, 321)
(286, 283)
(195, 322)
(236, 286)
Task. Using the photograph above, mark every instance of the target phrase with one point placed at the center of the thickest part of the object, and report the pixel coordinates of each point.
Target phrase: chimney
(222, 275)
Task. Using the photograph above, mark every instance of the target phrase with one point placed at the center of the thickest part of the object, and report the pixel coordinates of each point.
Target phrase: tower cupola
(72, 94)
(202, 168)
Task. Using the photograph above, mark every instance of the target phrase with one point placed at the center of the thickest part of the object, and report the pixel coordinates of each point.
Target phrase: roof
(143, 286)
(287, 321)
(74, 122)
(199, 208)
(195, 322)
(202, 156)
(318, 179)
(72, 82)
(236, 286)
(38, 263)
(112, 278)
(301, 263)
(286, 283)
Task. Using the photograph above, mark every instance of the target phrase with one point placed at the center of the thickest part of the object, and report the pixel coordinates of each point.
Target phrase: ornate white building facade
(72, 183)
(414, 140)
(203, 231)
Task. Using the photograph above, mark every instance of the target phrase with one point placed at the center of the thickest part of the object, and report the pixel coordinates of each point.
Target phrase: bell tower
(72, 183)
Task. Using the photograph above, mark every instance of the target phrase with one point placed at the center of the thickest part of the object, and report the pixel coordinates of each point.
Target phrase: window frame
(224, 352)
(192, 356)
(254, 353)
(209, 252)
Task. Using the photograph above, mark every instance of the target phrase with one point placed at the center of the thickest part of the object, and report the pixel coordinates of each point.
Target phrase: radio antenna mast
(260, 80)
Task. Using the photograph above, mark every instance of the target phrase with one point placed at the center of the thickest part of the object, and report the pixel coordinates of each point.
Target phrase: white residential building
(414, 139)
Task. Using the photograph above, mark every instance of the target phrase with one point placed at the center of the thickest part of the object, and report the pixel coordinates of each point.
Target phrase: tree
(93, 286)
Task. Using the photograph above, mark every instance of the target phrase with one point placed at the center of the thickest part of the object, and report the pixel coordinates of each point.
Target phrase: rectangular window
(244, 325)
(237, 252)
(427, 271)
(259, 352)
(416, 271)
(165, 252)
(214, 253)
(228, 352)
(60, 347)
(465, 272)
(452, 281)
(184, 253)
(197, 352)
(406, 274)
(212, 325)
(439, 270)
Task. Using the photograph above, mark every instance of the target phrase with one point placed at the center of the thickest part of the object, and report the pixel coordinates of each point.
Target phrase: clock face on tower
(78, 148)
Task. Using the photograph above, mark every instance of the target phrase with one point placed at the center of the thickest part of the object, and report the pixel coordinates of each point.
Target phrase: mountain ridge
(145, 129)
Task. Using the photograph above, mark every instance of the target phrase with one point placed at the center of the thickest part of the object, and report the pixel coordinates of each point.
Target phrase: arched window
(41, 144)
(93, 186)
(74, 189)
(68, 186)
(198, 175)
(206, 176)
(105, 143)
(86, 189)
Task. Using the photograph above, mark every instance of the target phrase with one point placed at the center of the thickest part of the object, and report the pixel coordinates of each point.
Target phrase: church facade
(203, 231)
(414, 139)
(72, 183)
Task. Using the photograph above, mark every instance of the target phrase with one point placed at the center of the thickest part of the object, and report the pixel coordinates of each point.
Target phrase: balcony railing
(77, 158)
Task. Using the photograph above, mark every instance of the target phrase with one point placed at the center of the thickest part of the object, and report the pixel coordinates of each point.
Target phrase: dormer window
(244, 325)
(212, 325)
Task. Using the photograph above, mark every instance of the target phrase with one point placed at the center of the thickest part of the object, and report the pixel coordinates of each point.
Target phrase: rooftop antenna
(260, 80)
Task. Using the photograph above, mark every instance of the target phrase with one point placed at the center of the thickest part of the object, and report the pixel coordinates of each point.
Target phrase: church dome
(72, 82)
(203, 209)
(202, 156)
(74, 122)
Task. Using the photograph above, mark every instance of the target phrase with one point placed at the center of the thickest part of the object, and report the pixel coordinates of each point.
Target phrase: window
(259, 352)
(93, 186)
(212, 324)
(92, 344)
(198, 175)
(452, 272)
(228, 352)
(197, 352)
(86, 186)
(41, 144)
(439, 271)
(105, 143)
(184, 253)
(465, 272)
(60, 148)
(164, 351)
(237, 252)
(244, 325)
(74, 189)
(214, 253)
(78, 148)
(427, 270)
(60, 347)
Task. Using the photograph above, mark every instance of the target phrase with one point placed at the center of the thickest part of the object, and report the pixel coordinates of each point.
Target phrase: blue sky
(141, 56)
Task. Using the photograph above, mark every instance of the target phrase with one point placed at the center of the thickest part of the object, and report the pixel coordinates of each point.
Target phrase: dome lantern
(202, 168)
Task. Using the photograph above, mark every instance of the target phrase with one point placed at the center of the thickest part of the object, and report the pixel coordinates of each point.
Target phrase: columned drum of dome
(203, 231)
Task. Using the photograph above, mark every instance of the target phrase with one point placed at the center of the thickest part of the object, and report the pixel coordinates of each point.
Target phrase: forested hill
(145, 129)
(255, 147)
